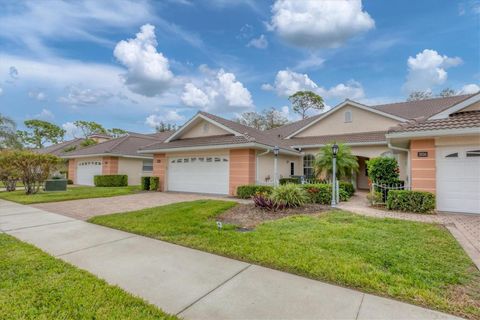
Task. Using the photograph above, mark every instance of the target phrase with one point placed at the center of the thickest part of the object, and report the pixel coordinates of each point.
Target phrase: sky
(131, 64)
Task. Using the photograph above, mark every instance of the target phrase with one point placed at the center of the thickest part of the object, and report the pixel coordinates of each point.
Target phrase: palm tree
(347, 163)
(8, 136)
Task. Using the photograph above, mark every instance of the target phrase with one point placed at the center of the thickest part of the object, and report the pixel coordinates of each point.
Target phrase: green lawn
(34, 285)
(415, 262)
(72, 193)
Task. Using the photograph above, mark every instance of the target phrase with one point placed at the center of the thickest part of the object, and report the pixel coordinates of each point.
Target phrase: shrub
(411, 201)
(292, 195)
(113, 180)
(383, 170)
(295, 180)
(154, 183)
(69, 181)
(319, 193)
(248, 191)
(374, 198)
(145, 182)
(264, 201)
(343, 195)
(348, 187)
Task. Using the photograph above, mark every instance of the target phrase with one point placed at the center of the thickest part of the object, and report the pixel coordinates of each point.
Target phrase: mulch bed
(247, 216)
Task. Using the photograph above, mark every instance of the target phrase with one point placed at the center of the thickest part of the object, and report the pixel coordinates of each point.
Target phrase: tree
(89, 127)
(9, 173)
(41, 132)
(273, 119)
(302, 101)
(347, 163)
(117, 132)
(419, 95)
(8, 137)
(447, 92)
(163, 127)
(383, 170)
(252, 119)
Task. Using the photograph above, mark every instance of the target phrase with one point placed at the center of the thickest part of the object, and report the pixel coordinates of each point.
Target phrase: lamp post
(334, 175)
(276, 150)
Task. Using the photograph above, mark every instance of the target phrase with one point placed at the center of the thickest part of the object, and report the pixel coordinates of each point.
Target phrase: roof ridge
(120, 141)
(420, 100)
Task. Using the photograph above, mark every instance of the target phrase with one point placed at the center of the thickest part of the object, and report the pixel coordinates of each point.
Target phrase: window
(308, 170)
(186, 160)
(217, 159)
(452, 155)
(348, 116)
(473, 153)
(205, 127)
(292, 168)
(147, 165)
(209, 159)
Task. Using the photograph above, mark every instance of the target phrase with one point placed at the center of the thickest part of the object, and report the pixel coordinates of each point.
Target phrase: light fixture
(335, 149)
(276, 150)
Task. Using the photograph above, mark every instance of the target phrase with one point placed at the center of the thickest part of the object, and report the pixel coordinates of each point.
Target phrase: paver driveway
(87, 208)
(191, 283)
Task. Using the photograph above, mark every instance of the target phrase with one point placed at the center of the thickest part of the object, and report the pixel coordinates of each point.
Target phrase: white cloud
(71, 130)
(428, 69)
(319, 24)
(313, 62)
(78, 96)
(148, 70)
(45, 114)
(288, 82)
(170, 116)
(267, 87)
(13, 72)
(259, 43)
(470, 88)
(37, 95)
(219, 91)
(1, 91)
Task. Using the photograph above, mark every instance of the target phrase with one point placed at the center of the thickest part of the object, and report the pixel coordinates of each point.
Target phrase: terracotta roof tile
(469, 119)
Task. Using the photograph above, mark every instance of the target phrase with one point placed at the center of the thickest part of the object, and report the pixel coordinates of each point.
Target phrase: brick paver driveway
(464, 227)
(87, 208)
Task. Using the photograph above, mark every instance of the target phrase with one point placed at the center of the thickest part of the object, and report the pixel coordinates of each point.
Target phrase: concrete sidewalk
(191, 283)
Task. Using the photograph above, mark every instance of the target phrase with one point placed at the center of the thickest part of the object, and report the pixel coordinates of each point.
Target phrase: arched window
(348, 116)
(308, 161)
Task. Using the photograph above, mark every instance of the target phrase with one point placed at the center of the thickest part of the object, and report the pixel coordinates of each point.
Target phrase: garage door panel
(86, 170)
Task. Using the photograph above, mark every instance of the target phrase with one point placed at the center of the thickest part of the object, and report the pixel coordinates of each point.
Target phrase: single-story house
(112, 156)
(210, 154)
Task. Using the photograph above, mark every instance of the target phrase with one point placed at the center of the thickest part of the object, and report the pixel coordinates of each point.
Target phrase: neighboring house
(60, 149)
(210, 154)
(112, 156)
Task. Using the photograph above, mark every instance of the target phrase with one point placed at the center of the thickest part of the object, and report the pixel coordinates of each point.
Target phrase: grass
(72, 193)
(34, 285)
(415, 262)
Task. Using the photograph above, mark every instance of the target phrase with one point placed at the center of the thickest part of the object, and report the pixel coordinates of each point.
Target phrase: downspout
(256, 166)
(409, 174)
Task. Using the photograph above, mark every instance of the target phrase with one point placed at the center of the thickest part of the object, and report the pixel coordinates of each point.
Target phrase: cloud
(259, 43)
(13, 72)
(319, 24)
(470, 88)
(288, 82)
(313, 62)
(427, 70)
(37, 95)
(78, 96)
(1, 91)
(148, 70)
(45, 114)
(219, 91)
(169, 116)
(71, 130)
(246, 32)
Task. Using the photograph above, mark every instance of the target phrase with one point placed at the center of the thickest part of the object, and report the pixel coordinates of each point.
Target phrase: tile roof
(362, 137)
(123, 146)
(58, 149)
(470, 119)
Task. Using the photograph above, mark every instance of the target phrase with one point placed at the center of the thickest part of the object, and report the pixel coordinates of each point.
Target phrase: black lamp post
(334, 175)
(276, 151)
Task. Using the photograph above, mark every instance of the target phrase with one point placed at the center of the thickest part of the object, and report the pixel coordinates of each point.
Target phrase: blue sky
(131, 64)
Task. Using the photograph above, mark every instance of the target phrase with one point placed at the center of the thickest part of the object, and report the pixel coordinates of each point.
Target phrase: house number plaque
(422, 154)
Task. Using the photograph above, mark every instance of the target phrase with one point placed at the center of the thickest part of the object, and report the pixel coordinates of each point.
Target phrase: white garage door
(86, 170)
(458, 179)
(205, 174)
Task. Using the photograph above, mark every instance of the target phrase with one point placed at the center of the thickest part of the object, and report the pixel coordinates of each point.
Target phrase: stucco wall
(473, 107)
(362, 121)
(453, 141)
(203, 129)
(265, 166)
(423, 168)
(133, 169)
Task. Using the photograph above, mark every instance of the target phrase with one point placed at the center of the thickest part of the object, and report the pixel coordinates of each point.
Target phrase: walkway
(464, 227)
(191, 283)
(87, 208)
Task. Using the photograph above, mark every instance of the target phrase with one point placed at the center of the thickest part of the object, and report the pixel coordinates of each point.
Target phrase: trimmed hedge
(154, 183)
(411, 201)
(289, 180)
(145, 183)
(247, 191)
(113, 180)
(319, 193)
(347, 187)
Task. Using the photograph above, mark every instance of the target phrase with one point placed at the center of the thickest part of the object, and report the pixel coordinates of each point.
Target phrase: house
(112, 156)
(62, 148)
(210, 154)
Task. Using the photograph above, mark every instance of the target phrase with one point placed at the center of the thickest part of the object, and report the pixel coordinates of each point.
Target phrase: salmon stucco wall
(242, 168)
(72, 170)
(109, 165)
(423, 167)
(159, 169)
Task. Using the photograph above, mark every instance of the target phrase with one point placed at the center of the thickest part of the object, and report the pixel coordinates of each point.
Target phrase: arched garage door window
(308, 161)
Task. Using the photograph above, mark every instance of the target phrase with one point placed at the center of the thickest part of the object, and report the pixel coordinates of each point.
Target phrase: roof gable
(458, 106)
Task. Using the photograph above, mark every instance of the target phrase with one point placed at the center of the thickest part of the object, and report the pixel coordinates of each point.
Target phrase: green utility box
(56, 185)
